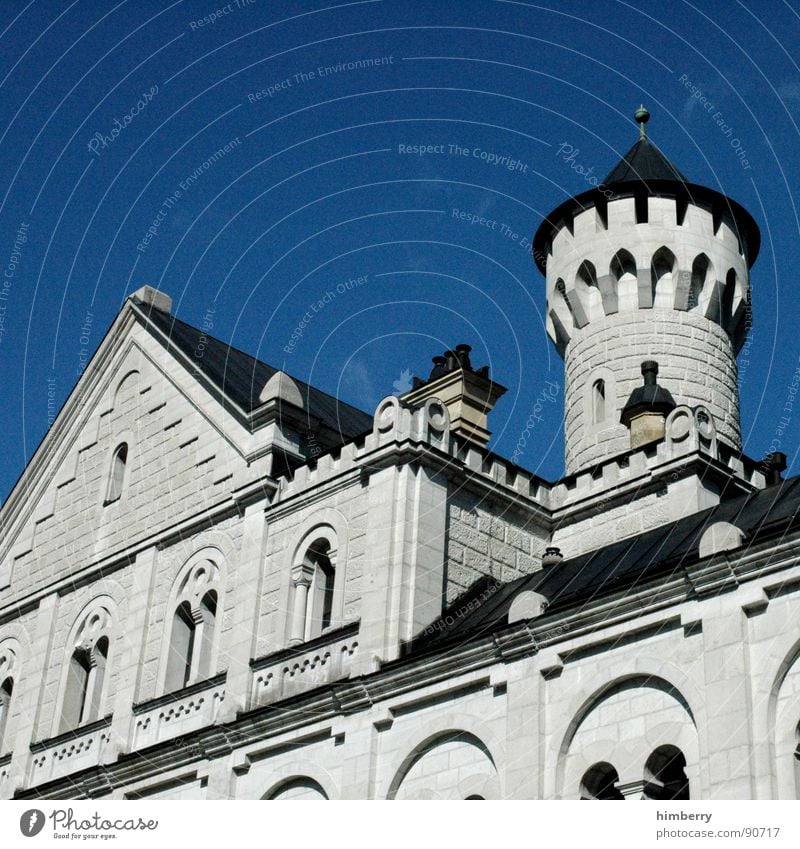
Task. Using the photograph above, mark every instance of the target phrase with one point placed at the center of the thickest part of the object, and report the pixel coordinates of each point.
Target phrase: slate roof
(658, 553)
(241, 377)
(645, 162)
(645, 171)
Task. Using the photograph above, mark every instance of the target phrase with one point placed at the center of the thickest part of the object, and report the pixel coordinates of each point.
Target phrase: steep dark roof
(644, 161)
(661, 552)
(643, 172)
(241, 377)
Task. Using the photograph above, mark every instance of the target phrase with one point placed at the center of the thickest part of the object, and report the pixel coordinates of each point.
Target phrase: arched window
(728, 294)
(314, 587)
(6, 691)
(700, 274)
(86, 673)
(598, 401)
(600, 782)
(662, 277)
(665, 774)
(626, 283)
(320, 597)
(194, 632)
(116, 477)
(587, 274)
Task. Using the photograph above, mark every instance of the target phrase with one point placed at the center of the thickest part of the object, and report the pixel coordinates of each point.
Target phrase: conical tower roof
(644, 171)
(645, 162)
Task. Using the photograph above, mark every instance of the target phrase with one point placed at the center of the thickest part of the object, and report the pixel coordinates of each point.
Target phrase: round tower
(645, 267)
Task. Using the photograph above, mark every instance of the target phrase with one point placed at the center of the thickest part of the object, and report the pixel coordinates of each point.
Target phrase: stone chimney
(468, 394)
(647, 408)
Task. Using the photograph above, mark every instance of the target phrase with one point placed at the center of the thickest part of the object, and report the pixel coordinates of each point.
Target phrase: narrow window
(181, 648)
(208, 612)
(320, 598)
(93, 706)
(117, 474)
(6, 691)
(598, 401)
(77, 690)
(700, 273)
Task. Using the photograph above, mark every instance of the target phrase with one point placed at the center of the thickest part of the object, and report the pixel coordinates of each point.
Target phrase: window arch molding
(600, 404)
(193, 621)
(10, 674)
(325, 532)
(302, 770)
(84, 686)
(115, 486)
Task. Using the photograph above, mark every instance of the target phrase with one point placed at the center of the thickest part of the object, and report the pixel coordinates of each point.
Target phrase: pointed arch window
(700, 274)
(662, 276)
(116, 476)
(84, 692)
(6, 692)
(191, 648)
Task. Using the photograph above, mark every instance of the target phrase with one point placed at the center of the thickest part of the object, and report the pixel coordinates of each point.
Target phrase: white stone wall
(485, 539)
(606, 323)
(696, 365)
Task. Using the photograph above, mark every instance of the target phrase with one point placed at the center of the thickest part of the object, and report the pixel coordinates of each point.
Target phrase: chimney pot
(552, 556)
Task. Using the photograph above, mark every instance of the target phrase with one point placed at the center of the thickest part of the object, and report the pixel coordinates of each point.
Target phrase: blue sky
(252, 162)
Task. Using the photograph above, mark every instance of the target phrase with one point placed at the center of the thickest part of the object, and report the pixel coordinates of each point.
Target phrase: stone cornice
(417, 672)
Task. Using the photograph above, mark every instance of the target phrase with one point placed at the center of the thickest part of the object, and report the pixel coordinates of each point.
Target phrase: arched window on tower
(6, 692)
(116, 477)
(600, 782)
(728, 295)
(665, 774)
(82, 700)
(313, 586)
(662, 277)
(598, 401)
(700, 276)
(194, 632)
(625, 280)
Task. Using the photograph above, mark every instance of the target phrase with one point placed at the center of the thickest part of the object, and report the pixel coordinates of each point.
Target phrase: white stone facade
(193, 605)
(620, 292)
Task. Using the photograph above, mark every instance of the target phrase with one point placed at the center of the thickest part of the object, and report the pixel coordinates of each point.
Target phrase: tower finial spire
(642, 116)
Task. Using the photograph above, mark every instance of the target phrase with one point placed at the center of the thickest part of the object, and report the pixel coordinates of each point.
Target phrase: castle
(219, 582)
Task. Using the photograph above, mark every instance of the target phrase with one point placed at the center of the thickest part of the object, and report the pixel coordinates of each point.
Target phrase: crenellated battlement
(652, 254)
